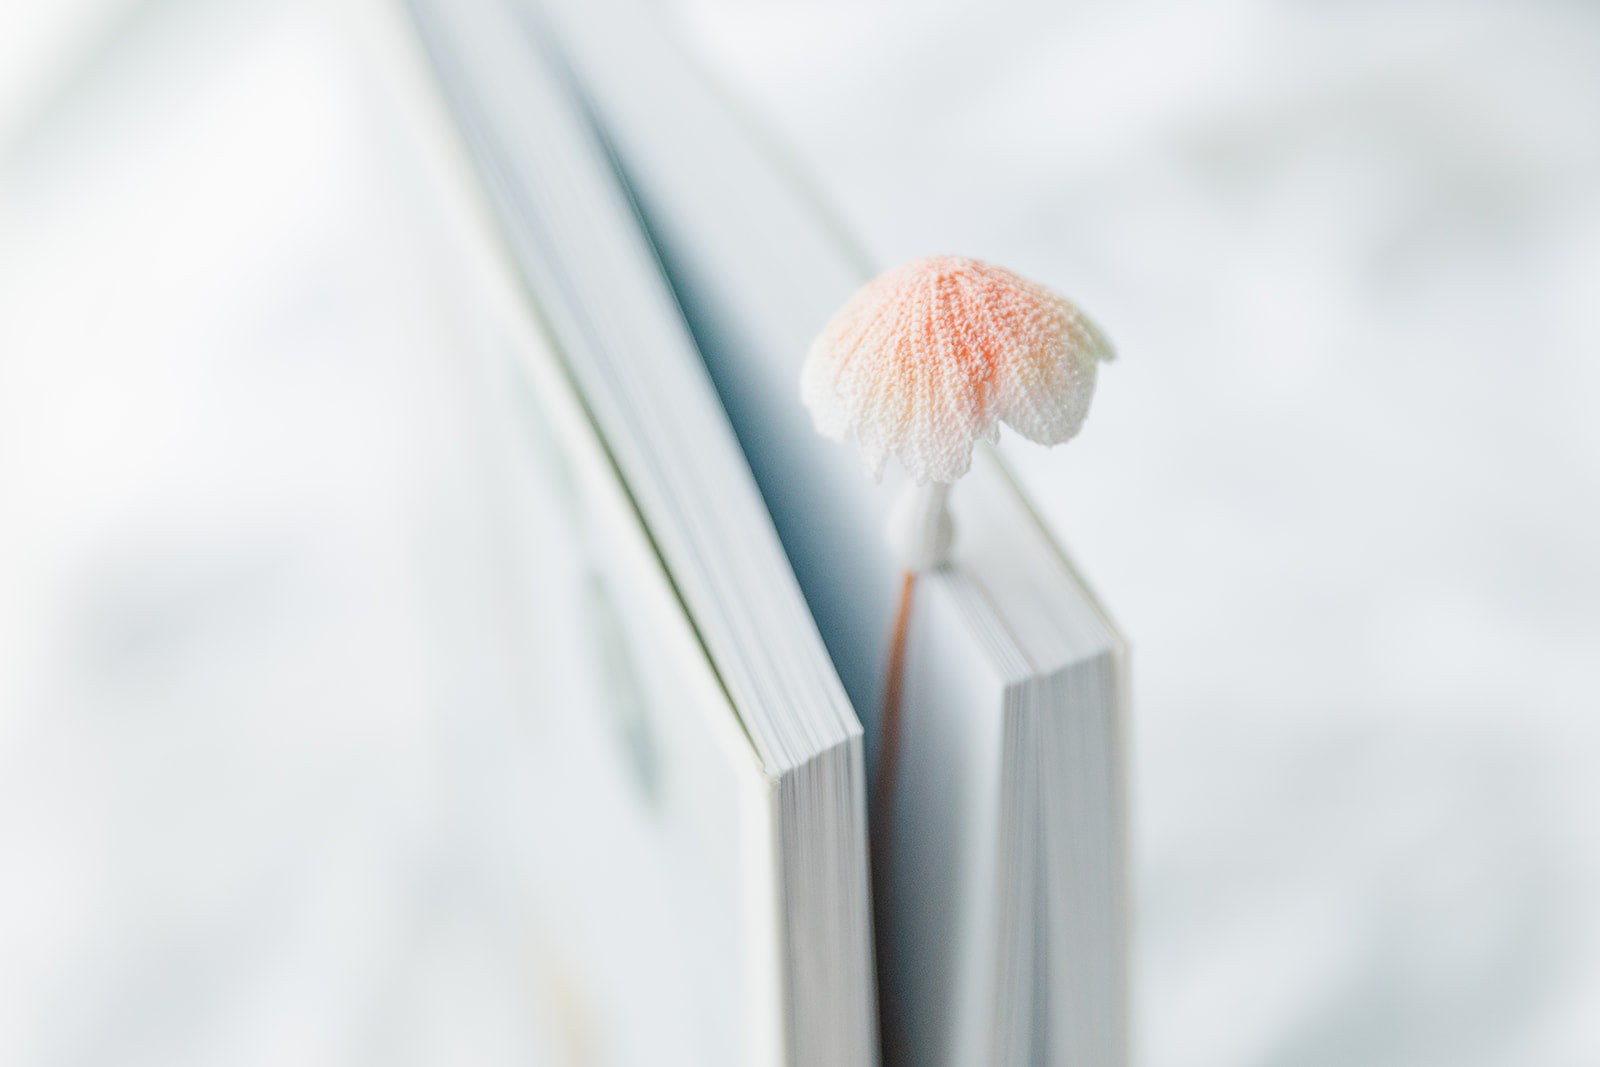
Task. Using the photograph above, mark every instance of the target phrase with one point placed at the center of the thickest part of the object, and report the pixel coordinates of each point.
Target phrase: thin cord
(882, 812)
(889, 726)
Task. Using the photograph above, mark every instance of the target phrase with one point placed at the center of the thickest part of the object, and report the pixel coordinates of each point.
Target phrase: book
(703, 874)
(1006, 927)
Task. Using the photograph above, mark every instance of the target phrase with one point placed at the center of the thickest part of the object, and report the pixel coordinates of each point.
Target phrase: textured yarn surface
(927, 358)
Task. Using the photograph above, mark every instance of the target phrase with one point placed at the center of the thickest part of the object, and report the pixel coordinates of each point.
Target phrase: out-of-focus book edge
(783, 722)
(1014, 776)
(1009, 936)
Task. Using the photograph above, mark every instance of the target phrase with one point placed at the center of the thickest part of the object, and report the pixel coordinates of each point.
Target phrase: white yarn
(921, 531)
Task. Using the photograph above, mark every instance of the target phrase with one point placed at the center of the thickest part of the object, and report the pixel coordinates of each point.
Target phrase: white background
(1342, 489)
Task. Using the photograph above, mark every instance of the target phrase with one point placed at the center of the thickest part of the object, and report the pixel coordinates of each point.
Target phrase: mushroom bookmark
(919, 364)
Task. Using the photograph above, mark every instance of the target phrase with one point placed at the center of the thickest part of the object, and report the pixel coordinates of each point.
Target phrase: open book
(1002, 893)
(1006, 924)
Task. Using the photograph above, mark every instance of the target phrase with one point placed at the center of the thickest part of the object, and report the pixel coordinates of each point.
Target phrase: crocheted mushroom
(927, 358)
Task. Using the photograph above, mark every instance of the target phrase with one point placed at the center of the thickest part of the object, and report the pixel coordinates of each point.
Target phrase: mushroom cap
(926, 358)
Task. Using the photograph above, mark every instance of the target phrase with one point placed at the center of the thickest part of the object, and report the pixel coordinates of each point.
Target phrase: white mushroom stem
(921, 530)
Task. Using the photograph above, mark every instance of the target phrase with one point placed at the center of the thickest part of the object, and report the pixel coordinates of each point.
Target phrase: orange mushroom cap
(927, 358)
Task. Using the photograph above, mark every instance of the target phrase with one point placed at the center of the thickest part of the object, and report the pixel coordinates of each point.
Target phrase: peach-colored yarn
(929, 357)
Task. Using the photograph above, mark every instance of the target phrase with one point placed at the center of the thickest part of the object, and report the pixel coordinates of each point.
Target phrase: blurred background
(1342, 490)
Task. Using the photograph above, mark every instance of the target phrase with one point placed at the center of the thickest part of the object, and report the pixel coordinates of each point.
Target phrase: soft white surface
(1342, 488)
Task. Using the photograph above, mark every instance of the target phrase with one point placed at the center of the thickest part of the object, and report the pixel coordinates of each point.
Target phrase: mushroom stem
(920, 528)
